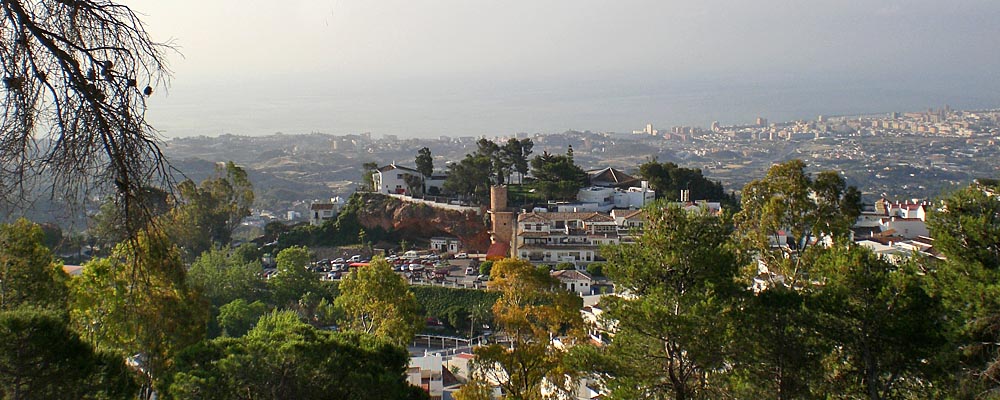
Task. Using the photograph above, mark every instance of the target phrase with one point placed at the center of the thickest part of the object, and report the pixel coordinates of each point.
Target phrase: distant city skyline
(449, 67)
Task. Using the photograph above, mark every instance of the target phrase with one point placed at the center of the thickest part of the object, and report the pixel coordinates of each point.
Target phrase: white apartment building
(556, 237)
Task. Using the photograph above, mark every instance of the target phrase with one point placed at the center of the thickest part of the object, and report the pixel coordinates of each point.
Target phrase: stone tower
(501, 217)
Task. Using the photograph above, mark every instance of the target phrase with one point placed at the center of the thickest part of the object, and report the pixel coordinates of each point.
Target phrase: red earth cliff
(418, 222)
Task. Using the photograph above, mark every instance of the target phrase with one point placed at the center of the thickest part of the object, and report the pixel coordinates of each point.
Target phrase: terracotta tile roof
(633, 214)
(598, 217)
(498, 251)
(572, 274)
(563, 216)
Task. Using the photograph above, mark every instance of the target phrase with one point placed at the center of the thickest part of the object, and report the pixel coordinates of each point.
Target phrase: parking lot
(425, 270)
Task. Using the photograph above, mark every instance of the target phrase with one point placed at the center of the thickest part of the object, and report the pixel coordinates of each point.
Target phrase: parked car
(462, 256)
(355, 258)
(470, 271)
(483, 278)
(339, 260)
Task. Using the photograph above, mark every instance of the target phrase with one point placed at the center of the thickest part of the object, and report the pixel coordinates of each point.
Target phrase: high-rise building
(761, 121)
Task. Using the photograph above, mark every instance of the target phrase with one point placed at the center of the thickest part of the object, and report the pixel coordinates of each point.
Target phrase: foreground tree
(966, 229)
(29, 275)
(40, 358)
(670, 331)
(137, 304)
(784, 218)
(531, 311)
(284, 358)
(883, 324)
(788, 212)
(76, 78)
(377, 301)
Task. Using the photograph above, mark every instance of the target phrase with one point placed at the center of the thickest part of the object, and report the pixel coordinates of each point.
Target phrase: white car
(462, 256)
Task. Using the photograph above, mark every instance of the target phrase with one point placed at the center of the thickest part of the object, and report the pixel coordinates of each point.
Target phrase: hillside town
(568, 236)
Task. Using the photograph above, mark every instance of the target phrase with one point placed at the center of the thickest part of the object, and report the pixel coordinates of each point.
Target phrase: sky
(472, 67)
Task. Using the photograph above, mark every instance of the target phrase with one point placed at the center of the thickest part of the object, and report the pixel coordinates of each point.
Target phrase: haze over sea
(430, 108)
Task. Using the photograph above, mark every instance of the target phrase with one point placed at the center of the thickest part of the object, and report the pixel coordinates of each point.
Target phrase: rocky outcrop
(419, 222)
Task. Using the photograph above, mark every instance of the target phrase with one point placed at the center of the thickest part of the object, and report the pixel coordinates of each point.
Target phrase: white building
(575, 281)
(563, 236)
(322, 211)
(635, 197)
(391, 179)
(445, 244)
(435, 184)
(427, 372)
(604, 199)
(907, 220)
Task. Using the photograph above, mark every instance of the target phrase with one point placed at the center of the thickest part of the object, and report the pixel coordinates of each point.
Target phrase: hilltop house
(392, 179)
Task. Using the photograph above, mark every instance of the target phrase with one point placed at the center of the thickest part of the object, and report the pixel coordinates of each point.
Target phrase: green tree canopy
(293, 278)
(208, 213)
(668, 180)
(883, 324)
(284, 358)
(238, 316)
(966, 229)
(377, 301)
(29, 275)
(221, 275)
(40, 358)
(425, 162)
(671, 329)
(788, 204)
(516, 153)
(557, 177)
(367, 169)
(138, 303)
(470, 178)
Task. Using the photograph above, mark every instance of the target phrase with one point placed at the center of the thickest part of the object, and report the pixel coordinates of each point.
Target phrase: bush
(457, 317)
(565, 266)
(485, 267)
(435, 301)
(596, 269)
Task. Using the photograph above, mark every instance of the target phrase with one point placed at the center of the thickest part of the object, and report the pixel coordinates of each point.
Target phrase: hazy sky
(470, 67)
